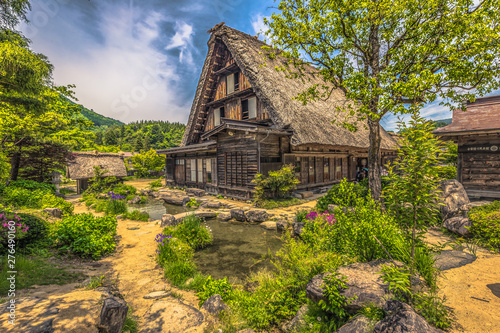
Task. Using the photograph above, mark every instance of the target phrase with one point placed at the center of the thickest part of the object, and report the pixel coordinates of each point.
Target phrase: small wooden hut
(81, 168)
(244, 120)
(477, 133)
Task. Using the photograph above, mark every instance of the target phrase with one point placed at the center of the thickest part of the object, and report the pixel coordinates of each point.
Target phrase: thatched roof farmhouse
(245, 120)
(81, 168)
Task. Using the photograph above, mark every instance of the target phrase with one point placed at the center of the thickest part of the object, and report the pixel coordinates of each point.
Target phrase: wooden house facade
(477, 133)
(245, 121)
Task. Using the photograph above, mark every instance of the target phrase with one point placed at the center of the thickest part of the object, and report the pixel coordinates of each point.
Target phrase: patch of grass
(277, 203)
(137, 215)
(176, 295)
(33, 271)
(130, 323)
(95, 282)
(486, 225)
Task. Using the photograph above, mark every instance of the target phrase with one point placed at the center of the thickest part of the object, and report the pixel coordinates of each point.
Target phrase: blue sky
(133, 60)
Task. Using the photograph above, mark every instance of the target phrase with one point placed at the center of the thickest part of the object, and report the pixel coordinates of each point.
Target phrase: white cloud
(182, 40)
(258, 25)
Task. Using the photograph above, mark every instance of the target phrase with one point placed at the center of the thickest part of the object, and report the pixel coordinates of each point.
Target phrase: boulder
(224, 216)
(211, 204)
(331, 208)
(358, 324)
(297, 228)
(402, 318)
(195, 191)
(269, 225)
(205, 214)
(157, 294)
(55, 212)
(113, 315)
(459, 225)
(296, 195)
(364, 285)
(135, 200)
(281, 225)
(119, 217)
(448, 259)
(296, 322)
(238, 215)
(257, 215)
(453, 198)
(168, 220)
(214, 304)
(155, 194)
(306, 194)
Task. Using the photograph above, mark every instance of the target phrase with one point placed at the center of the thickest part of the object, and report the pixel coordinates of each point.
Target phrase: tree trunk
(15, 161)
(374, 179)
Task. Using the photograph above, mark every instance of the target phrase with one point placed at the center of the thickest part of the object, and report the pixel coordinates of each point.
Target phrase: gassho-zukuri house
(245, 121)
(477, 134)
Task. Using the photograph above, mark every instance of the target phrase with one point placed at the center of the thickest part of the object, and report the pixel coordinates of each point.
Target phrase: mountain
(96, 118)
(441, 122)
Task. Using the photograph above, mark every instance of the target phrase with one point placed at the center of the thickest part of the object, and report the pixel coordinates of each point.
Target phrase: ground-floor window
(193, 170)
(209, 170)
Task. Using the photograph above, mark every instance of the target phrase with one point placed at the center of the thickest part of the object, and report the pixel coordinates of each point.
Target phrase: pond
(236, 250)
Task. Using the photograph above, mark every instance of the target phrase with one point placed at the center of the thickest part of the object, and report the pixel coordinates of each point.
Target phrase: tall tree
(12, 12)
(138, 144)
(389, 56)
(147, 143)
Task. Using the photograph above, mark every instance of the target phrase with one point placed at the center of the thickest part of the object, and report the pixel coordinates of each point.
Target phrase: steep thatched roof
(82, 167)
(311, 123)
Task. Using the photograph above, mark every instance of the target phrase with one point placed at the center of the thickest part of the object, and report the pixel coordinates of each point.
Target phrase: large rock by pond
(364, 285)
(171, 315)
(281, 225)
(173, 199)
(257, 215)
(168, 220)
(135, 200)
(113, 314)
(54, 212)
(223, 216)
(269, 225)
(214, 304)
(211, 204)
(459, 225)
(358, 324)
(453, 198)
(402, 318)
(195, 191)
(238, 215)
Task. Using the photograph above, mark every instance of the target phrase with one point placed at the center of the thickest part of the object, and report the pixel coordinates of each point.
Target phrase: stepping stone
(449, 259)
(157, 294)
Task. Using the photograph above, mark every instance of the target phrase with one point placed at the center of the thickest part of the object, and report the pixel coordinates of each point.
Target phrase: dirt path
(476, 308)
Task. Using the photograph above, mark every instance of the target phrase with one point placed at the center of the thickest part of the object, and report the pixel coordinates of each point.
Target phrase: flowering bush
(176, 258)
(11, 228)
(192, 232)
(116, 204)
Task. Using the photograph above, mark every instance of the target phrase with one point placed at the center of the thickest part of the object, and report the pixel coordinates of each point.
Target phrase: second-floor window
(249, 108)
(232, 83)
(218, 114)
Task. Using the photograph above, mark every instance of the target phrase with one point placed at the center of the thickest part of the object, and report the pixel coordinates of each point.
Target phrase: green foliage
(33, 271)
(115, 207)
(447, 172)
(34, 196)
(51, 201)
(99, 183)
(37, 232)
(130, 325)
(212, 287)
(146, 162)
(192, 232)
(301, 215)
(278, 184)
(86, 235)
(486, 225)
(137, 215)
(192, 203)
(155, 184)
(278, 203)
(412, 194)
(345, 194)
(451, 153)
(33, 185)
(333, 284)
(177, 272)
(398, 280)
(96, 281)
(372, 312)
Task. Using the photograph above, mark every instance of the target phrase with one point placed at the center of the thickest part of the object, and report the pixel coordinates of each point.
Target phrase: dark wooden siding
(236, 160)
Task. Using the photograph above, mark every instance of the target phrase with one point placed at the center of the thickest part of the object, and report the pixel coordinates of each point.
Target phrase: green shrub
(301, 215)
(51, 201)
(115, 207)
(278, 184)
(177, 272)
(192, 203)
(37, 233)
(33, 185)
(192, 232)
(12, 230)
(21, 197)
(212, 287)
(86, 235)
(486, 225)
(344, 194)
(172, 249)
(137, 215)
(155, 184)
(447, 172)
(278, 203)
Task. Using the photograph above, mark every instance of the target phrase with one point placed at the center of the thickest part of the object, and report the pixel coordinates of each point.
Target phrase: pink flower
(5, 225)
(19, 224)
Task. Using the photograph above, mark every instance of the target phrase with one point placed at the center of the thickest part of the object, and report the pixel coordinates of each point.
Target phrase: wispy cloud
(182, 40)
(258, 25)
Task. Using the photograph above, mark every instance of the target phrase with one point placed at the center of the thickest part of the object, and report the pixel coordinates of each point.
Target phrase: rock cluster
(214, 304)
(454, 205)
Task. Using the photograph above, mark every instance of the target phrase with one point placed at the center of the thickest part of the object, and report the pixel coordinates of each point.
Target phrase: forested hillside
(141, 135)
